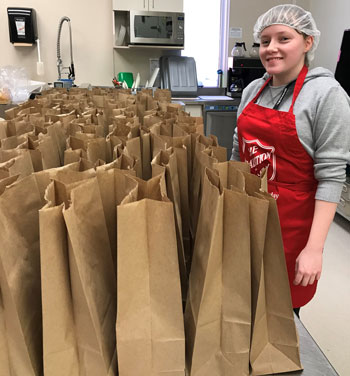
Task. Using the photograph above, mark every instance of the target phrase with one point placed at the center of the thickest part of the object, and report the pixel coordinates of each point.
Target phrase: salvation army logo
(259, 157)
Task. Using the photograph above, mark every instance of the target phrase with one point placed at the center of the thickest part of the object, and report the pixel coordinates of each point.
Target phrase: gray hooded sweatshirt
(322, 117)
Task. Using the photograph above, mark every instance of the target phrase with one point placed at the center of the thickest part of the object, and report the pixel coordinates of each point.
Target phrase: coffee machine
(244, 70)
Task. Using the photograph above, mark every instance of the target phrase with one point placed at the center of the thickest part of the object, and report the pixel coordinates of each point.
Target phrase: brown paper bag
(3, 129)
(204, 158)
(232, 174)
(75, 172)
(49, 152)
(181, 154)
(218, 311)
(12, 142)
(158, 143)
(150, 333)
(71, 156)
(275, 346)
(20, 275)
(60, 352)
(4, 355)
(146, 154)
(56, 131)
(133, 149)
(126, 163)
(19, 164)
(93, 280)
(114, 185)
(7, 181)
(98, 148)
(166, 162)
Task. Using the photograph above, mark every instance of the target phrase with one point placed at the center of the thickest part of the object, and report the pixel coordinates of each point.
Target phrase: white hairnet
(292, 16)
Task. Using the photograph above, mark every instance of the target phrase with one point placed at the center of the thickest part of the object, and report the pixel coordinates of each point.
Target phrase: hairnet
(292, 16)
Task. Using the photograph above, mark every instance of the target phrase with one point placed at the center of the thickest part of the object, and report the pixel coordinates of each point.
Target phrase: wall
(94, 58)
(245, 13)
(96, 61)
(91, 23)
(332, 18)
(137, 60)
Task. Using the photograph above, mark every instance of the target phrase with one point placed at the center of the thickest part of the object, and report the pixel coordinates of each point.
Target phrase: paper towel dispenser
(22, 25)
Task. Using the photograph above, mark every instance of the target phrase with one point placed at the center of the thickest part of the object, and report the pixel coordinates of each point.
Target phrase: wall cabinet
(149, 5)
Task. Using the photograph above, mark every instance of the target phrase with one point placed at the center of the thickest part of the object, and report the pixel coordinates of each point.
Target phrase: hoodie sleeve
(235, 149)
(331, 136)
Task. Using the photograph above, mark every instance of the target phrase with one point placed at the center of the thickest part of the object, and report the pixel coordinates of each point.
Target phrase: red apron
(268, 139)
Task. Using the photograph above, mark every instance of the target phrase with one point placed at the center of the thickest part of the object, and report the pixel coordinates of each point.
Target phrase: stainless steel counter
(313, 360)
(205, 99)
(4, 107)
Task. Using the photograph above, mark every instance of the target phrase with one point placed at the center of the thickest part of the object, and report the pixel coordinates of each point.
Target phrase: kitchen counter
(207, 95)
(4, 107)
(206, 99)
(313, 360)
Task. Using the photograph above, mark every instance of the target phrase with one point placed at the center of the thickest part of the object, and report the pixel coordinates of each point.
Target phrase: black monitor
(342, 71)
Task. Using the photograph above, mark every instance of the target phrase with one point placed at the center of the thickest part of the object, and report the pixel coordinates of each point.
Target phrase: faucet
(60, 66)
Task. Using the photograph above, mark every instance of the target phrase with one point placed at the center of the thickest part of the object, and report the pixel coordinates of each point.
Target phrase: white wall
(332, 18)
(96, 61)
(137, 60)
(91, 22)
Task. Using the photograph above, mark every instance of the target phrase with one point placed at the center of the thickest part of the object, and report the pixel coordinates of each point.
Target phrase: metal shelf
(149, 46)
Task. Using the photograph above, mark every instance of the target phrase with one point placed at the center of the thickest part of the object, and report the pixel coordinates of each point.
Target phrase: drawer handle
(345, 188)
(342, 203)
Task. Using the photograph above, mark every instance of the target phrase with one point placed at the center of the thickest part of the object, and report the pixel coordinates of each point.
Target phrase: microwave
(156, 28)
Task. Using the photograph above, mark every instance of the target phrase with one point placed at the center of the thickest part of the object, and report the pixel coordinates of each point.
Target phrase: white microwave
(157, 28)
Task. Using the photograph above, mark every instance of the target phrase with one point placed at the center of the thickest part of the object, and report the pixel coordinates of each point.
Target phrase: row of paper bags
(93, 277)
(80, 293)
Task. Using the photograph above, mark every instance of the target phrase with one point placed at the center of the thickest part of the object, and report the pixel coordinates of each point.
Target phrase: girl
(296, 123)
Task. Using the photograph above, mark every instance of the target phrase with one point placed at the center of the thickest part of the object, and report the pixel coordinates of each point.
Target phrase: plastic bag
(5, 96)
(13, 84)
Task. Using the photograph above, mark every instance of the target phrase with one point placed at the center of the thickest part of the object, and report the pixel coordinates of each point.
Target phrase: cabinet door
(130, 4)
(165, 5)
(195, 110)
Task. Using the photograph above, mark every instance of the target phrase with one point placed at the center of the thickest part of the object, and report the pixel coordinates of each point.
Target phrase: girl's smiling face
(282, 52)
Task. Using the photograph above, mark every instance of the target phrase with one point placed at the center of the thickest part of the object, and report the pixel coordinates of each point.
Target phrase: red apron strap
(298, 85)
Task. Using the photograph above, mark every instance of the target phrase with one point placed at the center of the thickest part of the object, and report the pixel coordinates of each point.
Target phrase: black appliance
(244, 70)
(342, 73)
(22, 25)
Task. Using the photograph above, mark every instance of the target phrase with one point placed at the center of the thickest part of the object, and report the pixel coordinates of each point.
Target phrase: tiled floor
(327, 316)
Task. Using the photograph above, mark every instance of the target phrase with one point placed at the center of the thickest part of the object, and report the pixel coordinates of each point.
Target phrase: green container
(127, 77)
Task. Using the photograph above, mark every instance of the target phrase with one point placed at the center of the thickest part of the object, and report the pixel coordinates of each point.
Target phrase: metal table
(4, 107)
(313, 360)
